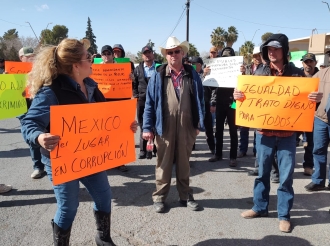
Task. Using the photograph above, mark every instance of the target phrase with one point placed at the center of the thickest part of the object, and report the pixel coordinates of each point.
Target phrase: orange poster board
(276, 103)
(113, 79)
(94, 137)
(19, 68)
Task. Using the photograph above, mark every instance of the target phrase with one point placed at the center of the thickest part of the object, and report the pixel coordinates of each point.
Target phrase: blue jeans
(244, 139)
(36, 157)
(67, 196)
(286, 154)
(320, 151)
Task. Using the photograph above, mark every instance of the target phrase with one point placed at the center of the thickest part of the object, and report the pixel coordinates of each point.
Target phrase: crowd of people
(173, 107)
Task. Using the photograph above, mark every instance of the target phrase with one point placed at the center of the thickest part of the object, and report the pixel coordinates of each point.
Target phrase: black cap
(146, 48)
(308, 56)
(106, 48)
(2, 60)
(196, 59)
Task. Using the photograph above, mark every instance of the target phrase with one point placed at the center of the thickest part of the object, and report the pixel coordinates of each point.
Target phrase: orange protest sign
(94, 137)
(113, 79)
(277, 103)
(19, 68)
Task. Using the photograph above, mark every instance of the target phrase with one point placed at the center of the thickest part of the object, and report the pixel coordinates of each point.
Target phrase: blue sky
(133, 22)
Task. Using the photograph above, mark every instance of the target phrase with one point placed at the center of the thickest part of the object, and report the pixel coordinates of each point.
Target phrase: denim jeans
(286, 154)
(244, 139)
(67, 196)
(36, 157)
(320, 151)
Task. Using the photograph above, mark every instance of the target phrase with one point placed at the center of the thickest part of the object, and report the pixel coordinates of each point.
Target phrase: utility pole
(187, 6)
(33, 31)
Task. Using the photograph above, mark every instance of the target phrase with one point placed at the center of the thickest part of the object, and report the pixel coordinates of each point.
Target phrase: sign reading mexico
(277, 103)
(12, 101)
(94, 137)
(113, 79)
(224, 71)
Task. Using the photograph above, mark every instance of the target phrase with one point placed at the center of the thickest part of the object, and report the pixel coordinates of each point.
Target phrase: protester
(221, 103)
(60, 76)
(274, 52)
(142, 74)
(244, 131)
(5, 188)
(321, 134)
(119, 52)
(208, 122)
(174, 112)
(107, 54)
(309, 64)
(2, 65)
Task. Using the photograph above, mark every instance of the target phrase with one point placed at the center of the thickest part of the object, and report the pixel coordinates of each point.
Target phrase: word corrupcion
(277, 103)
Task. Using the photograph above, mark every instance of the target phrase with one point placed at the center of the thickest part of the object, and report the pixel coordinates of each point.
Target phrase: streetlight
(254, 34)
(48, 25)
(33, 31)
(243, 35)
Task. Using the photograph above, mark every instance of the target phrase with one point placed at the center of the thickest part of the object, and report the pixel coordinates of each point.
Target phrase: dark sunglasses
(175, 51)
(106, 54)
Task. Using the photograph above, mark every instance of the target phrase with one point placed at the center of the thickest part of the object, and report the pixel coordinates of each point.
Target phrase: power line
(180, 18)
(297, 28)
(13, 23)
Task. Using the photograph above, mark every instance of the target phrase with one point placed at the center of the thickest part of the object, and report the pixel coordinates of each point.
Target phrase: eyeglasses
(88, 58)
(175, 51)
(106, 54)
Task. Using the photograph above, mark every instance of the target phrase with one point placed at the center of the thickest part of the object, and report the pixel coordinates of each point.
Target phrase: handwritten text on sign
(113, 79)
(19, 68)
(94, 137)
(277, 103)
(12, 102)
(224, 71)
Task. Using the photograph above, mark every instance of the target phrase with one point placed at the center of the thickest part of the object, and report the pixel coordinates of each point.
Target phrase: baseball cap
(25, 51)
(196, 59)
(274, 44)
(214, 49)
(256, 50)
(106, 48)
(146, 48)
(308, 56)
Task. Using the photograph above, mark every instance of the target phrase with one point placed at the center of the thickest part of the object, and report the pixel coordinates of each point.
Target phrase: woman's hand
(134, 126)
(48, 141)
(315, 96)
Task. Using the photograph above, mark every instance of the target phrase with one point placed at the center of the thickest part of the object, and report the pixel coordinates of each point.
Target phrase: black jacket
(140, 82)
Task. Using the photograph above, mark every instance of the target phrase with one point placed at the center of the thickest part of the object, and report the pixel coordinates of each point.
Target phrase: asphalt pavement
(222, 192)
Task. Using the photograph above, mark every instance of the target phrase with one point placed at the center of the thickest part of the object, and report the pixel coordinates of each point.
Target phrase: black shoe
(159, 207)
(215, 158)
(212, 151)
(190, 203)
(314, 187)
(253, 173)
(142, 154)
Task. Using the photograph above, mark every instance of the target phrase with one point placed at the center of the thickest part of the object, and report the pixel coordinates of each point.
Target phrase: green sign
(297, 55)
(122, 60)
(98, 60)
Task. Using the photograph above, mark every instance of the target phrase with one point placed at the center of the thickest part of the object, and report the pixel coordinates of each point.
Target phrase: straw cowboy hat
(173, 42)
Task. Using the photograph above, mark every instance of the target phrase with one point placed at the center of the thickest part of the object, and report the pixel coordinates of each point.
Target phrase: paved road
(26, 211)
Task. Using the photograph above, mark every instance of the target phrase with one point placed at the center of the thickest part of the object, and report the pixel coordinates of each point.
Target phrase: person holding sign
(174, 112)
(274, 52)
(60, 76)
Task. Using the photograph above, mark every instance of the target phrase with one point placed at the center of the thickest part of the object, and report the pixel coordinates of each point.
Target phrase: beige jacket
(324, 86)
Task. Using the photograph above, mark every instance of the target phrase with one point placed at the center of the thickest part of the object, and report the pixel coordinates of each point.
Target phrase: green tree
(266, 36)
(246, 50)
(193, 50)
(55, 35)
(158, 57)
(10, 34)
(218, 38)
(231, 36)
(10, 45)
(91, 37)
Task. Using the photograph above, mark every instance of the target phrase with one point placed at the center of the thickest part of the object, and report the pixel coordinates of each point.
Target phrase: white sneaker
(5, 188)
(37, 174)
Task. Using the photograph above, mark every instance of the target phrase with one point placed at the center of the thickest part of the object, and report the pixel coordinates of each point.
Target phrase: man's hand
(242, 69)
(147, 135)
(134, 125)
(315, 96)
(212, 109)
(48, 141)
(206, 71)
(238, 95)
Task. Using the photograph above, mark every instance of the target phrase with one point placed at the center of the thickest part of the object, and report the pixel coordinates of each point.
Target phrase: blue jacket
(153, 111)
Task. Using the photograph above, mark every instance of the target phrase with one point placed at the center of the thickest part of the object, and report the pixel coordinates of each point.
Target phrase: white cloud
(42, 7)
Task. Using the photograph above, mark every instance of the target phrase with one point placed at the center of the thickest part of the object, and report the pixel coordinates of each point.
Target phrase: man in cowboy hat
(174, 113)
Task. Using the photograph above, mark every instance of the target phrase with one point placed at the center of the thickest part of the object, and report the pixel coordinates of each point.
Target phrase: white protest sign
(224, 71)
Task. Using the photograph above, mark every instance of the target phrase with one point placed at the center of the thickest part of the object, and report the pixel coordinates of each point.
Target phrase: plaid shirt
(177, 81)
(275, 133)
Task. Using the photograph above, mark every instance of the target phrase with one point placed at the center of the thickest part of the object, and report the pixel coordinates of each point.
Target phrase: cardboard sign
(94, 137)
(98, 60)
(12, 101)
(296, 57)
(224, 71)
(276, 103)
(113, 79)
(122, 60)
(19, 68)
